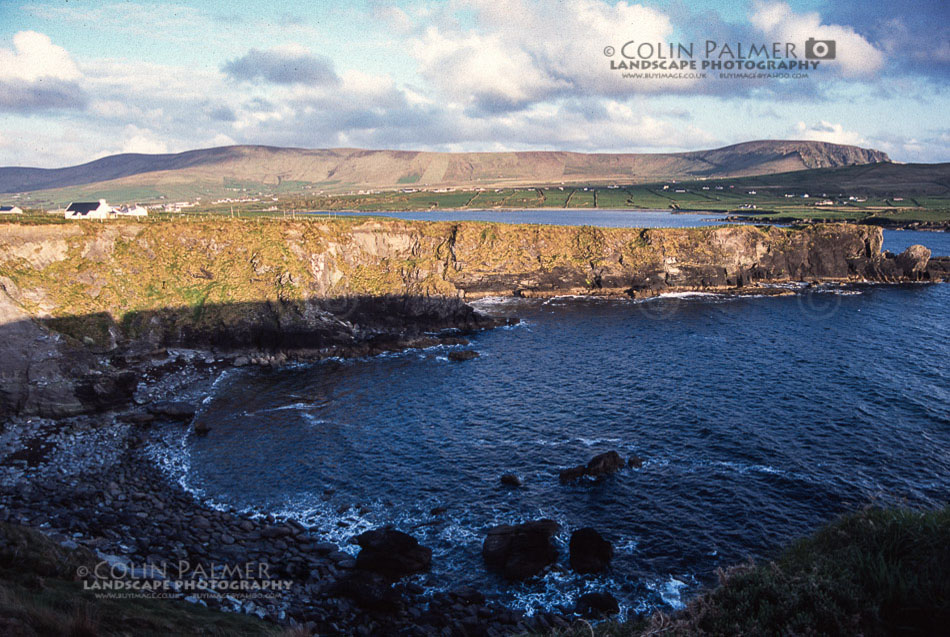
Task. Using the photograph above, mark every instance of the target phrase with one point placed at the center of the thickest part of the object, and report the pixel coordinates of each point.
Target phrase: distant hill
(216, 171)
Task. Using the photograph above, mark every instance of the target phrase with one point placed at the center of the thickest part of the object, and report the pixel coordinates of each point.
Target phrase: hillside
(226, 170)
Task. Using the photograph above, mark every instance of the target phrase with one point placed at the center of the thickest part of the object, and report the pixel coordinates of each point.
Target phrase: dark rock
(604, 464)
(468, 595)
(438, 510)
(138, 418)
(463, 355)
(324, 548)
(569, 475)
(392, 553)
(339, 556)
(370, 591)
(520, 551)
(596, 605)
(174, 409)
(600, 465)
(635, 462)
(590, 552)
(511, 480)
(274, 532)
(108, 390)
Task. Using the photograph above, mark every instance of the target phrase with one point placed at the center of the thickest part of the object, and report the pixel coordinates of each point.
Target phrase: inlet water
(757, 419)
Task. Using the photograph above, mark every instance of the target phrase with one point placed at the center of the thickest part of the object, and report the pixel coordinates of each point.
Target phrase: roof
(83, 207)
(6, 208)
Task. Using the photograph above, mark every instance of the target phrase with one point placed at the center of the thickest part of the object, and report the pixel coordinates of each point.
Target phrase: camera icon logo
(819, 49)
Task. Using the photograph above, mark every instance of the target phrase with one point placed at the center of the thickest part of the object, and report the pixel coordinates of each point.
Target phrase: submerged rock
(600, 465)
(511, 480)
(520, 551)
(463, 355)
(596, 605)
(590, 552)
(392, 553)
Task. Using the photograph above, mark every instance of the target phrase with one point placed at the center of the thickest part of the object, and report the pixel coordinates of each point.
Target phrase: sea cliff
(76, 298)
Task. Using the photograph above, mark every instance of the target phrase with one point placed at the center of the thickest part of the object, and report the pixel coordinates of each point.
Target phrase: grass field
(835, 195)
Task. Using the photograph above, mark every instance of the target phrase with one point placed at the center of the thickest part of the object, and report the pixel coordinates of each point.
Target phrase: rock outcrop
(73, 293)
(600, 465)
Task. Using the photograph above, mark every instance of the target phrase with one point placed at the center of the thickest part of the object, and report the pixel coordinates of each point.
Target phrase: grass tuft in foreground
(39, 595)
(875, 572)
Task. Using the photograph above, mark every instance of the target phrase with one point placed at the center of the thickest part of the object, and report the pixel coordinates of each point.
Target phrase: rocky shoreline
(86, 396)
(92, 481)
(881, 222)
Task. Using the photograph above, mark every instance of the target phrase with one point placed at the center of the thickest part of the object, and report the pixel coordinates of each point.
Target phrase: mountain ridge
(340, 168)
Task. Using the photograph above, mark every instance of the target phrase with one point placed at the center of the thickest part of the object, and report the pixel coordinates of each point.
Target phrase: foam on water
(756, 420)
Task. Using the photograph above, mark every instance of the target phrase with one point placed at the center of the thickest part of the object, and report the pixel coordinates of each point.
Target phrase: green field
(888, 195)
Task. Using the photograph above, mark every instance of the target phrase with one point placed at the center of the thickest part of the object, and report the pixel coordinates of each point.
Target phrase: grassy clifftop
(120, 268)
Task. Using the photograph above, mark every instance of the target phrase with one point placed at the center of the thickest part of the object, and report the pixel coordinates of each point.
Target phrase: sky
(81, 80)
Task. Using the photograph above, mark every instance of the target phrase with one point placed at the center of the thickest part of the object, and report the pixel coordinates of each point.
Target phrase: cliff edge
(73, 295)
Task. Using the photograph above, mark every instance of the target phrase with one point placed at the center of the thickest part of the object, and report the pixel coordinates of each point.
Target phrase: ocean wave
(670, 591)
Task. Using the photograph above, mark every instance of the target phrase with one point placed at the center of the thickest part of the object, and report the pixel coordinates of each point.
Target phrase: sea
(757, 419)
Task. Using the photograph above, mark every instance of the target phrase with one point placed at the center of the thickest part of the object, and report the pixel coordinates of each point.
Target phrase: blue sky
(80, 80)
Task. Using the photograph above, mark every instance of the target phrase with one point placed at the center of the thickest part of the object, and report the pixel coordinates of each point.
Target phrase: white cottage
(135, 210)
(10, 210)
(89, 210)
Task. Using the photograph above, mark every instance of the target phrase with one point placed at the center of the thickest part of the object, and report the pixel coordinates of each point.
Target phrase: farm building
(135, 210)
(89, 210)
(10, 210)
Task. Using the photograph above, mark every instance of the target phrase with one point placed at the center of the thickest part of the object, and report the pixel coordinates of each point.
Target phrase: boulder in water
(600, 465)
(520, 551)
(463, 355)
(596, 605)
(511, 480)
(590, 552)
(392, 553)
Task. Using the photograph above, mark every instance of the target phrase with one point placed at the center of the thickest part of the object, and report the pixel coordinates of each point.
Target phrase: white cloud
(37, 74)
(827, 132)
(395, 18)
(524, 51)
(855, 56)
(34, 57)
(142, 141)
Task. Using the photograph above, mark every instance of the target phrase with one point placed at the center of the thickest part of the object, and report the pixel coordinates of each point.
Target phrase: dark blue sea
(758, 419)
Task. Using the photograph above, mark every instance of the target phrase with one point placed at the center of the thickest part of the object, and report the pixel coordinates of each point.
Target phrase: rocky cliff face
(70, 294)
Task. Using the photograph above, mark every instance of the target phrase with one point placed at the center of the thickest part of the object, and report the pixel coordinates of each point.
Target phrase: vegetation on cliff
(40, 594)
(874, 572)
(108, 281)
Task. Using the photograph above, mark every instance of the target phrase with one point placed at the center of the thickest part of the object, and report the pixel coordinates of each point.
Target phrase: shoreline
(93, 480)
(133, 511)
